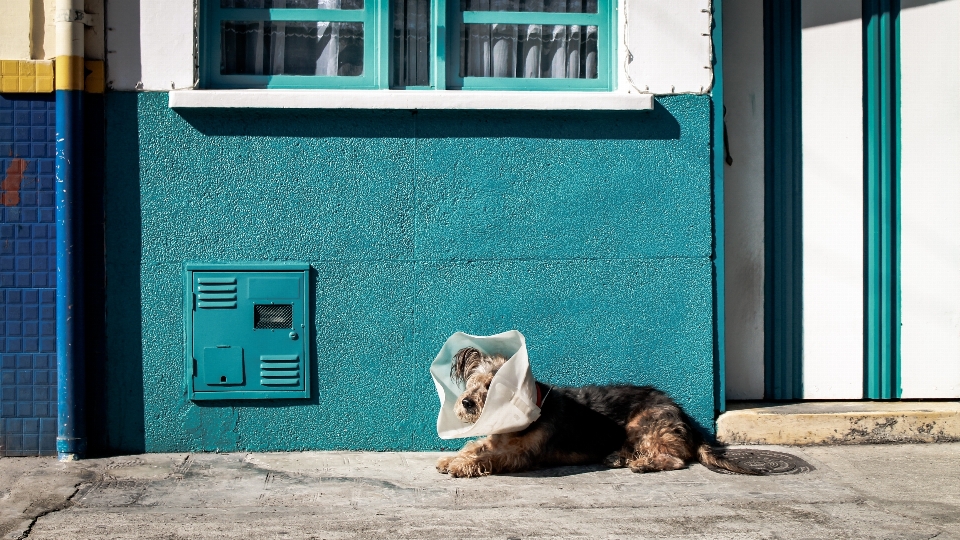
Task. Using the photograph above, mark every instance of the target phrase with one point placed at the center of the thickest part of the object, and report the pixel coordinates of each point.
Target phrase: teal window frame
(374, 32)
(604, 19)
(444, 44)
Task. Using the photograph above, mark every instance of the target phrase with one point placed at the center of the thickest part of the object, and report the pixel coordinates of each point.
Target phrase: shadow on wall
(848, 10)
(120, 389)
(657, 124)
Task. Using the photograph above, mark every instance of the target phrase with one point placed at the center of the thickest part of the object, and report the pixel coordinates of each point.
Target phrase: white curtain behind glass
(292, 48)
(529, 50)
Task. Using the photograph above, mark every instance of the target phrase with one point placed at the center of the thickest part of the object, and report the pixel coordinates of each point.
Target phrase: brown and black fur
(619, 425)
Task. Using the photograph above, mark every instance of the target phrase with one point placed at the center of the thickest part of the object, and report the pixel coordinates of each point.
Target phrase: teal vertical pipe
(783, 202)
(719, 259)
(881, 132)
(71, 442)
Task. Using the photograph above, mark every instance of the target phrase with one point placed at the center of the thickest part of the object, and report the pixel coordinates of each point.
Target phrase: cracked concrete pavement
(870, 491)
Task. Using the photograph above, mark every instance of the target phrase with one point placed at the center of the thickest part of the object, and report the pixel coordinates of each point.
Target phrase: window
(399, 44)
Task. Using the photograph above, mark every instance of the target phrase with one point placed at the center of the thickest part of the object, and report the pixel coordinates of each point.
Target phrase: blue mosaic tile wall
(28, 377)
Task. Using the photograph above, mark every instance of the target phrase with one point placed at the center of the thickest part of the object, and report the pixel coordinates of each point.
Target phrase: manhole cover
(766, 462)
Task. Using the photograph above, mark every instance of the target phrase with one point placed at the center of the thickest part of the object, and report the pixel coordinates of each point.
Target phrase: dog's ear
(464, 362)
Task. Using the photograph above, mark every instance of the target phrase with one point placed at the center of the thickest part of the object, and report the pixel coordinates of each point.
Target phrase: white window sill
(411, 100)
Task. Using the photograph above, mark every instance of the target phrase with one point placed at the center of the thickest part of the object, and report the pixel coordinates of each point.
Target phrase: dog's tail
(708, 456)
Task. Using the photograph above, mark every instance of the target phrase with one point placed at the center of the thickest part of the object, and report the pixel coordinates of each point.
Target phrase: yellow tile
(27, 68)
(44, 84)
(9, 68)
(94, 81)
(28, 84)
(9, 84)
(45, 68)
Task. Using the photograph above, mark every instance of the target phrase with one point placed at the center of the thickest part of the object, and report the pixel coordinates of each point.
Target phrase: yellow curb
(847, 422)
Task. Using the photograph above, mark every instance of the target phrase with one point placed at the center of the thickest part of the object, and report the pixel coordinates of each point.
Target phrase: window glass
(291, 48)
(528, 51)
(293, 4)
(410, 61)
(540, 6)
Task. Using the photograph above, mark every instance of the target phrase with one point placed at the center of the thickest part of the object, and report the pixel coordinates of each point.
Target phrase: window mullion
(438, 44)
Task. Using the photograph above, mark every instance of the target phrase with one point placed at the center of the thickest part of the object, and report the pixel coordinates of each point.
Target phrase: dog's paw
(615, 460)
(443, 464)
(463, 468)
(659, 462)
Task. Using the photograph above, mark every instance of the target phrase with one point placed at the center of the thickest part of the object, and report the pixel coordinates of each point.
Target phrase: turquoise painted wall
(588, 232)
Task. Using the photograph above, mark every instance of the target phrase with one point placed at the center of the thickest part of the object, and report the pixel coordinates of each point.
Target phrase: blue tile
(25, 377)
(31, 329)
(31, 344)
(25, 361)
(25, 409)
(41, 376)
(31, 443)
(42, 409)
(42, 361)
(7, 377)
(8, 409)
(13, 425)
(48, 445)
(31, 296)
(48, 345)
(31, 426)
(14, 443)
(41, 393)
(48, 425)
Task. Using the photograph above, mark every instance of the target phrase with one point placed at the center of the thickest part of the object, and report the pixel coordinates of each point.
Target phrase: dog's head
(475, 370)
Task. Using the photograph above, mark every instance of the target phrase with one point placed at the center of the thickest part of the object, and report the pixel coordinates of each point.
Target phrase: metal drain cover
(766, 462)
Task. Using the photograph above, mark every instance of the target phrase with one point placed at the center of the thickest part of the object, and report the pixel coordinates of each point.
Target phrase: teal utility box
(247, 330)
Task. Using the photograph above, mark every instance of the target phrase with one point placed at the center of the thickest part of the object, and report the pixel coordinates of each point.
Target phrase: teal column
(719, 259)
(783, 208)
(881, 143)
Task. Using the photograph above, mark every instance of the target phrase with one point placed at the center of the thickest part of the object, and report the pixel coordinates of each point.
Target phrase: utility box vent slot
(216, 293)
(272, 316)
(227, 357)
(279, 370)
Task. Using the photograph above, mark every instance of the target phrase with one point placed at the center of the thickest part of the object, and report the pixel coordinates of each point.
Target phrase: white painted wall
(832, 91)
(743, 196)
(15, 29)
(150, 44)
(670, 45)
(930, 184)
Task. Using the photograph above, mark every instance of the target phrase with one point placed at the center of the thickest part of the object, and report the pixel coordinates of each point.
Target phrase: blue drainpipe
(71, 437)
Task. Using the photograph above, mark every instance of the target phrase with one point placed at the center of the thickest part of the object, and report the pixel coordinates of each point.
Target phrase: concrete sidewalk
(881, 491)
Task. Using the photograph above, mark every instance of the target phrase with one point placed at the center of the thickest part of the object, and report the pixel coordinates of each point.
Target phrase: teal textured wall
(588, 232)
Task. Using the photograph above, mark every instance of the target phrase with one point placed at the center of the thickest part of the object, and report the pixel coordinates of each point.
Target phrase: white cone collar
(512, 400)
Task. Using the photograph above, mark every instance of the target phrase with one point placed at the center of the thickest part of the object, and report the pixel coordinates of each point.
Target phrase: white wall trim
(405, 99)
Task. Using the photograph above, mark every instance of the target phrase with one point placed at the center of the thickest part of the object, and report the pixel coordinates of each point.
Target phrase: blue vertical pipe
(71, 439)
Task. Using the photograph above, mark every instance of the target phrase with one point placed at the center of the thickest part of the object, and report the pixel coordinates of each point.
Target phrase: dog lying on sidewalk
(621, 425)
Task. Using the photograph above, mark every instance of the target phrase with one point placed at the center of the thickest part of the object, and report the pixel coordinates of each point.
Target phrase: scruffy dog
(619, 425)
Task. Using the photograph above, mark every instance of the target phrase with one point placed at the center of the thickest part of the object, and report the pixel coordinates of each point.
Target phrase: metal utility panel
(247, 331)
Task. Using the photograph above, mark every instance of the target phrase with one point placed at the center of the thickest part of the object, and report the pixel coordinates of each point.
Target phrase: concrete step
(839, 422)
